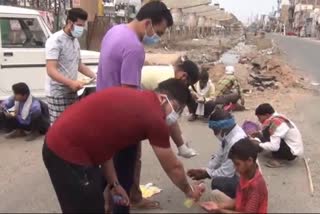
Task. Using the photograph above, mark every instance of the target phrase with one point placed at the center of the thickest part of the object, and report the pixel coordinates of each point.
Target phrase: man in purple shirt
(121, 60)
(29, 114)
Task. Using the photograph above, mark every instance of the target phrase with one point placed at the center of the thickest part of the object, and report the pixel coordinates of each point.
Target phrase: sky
(244, 9)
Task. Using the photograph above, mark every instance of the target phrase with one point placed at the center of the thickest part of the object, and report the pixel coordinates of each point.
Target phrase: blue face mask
(151, 40)
(77, 31)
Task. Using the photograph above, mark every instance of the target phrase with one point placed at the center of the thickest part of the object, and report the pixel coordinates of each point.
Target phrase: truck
(22, 51)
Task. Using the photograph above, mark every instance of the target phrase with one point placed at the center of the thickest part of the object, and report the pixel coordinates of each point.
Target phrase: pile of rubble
(268, 72)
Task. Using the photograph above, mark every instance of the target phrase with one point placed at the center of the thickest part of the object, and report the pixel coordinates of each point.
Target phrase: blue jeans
(227, 185)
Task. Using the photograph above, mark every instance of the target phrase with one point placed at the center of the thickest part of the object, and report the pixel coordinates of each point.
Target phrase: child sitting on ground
(252, 193)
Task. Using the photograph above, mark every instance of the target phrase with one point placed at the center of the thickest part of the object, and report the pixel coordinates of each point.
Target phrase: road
(25, 186)
(303, 53)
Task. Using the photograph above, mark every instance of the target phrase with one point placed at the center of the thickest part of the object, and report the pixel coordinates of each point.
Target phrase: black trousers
(284, 152)
(79, 188)
(38, 123)
(227, 185)
(208, 107)
(125, 165)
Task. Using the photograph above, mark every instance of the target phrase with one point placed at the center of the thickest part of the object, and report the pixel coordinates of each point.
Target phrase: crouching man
(279, 136)
(201, 97)
(30, 114)
(73, 150)
(220, 168)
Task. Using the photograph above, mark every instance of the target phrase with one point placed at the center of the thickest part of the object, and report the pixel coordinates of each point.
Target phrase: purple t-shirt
(121, 58)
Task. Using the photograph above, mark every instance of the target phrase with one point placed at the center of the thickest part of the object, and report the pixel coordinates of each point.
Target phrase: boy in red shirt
(252, 193)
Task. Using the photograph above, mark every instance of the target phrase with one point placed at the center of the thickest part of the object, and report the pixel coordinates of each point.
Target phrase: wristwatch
(113, 185)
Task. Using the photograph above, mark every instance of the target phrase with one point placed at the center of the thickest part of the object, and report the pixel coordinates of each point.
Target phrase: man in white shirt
(279, 135)
(64, 63)
(220, 168)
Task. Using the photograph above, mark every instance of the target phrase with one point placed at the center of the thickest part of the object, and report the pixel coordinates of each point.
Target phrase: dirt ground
(25, 186)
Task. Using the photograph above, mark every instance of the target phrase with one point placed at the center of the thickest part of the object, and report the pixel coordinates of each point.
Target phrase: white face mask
(77, 31)
(173, 117)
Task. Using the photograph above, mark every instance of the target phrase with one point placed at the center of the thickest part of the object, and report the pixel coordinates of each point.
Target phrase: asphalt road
(303, 53)
(25, 186)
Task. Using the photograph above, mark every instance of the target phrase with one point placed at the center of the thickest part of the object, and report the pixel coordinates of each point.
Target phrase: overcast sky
(243, 9)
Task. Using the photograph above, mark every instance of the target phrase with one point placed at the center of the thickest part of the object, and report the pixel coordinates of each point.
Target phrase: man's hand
(194, 95)
(195, 192)
(119, 191)
(197, 174)
(201, 100)
(256, 135)
(210, 206)
(76, 85)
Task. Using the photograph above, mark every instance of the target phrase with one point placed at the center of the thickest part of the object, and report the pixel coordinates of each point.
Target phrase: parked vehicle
(22, 50)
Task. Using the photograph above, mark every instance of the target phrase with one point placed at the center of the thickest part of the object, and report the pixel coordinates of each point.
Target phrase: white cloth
(291, 136)
(229, 70)
(202, 94)
(200, 109)
(221, 165)
(26, 107)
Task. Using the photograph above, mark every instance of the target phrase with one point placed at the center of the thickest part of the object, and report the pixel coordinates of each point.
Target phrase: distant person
(279, 135)
(122, 57)
(119, 118)
(30, 114)
(220, 168)
(228, 89)
(64, 63)
(252, 192)
(185, 71)
(203, 94)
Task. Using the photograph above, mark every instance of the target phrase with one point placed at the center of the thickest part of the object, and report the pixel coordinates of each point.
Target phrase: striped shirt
(66, 50)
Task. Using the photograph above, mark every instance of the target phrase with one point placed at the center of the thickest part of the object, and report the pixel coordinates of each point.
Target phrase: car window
(21, 33)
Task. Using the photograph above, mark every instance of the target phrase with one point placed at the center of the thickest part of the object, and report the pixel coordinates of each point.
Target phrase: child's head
(204, 78)
(244, 155)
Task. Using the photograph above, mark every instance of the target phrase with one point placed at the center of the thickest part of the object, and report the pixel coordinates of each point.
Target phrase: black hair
(21, 88)
(243, 150)
(191, 69)
(77, 13)
(219, 114)
(157, 11)
(204, 75)
(175, 89)
(264, 109)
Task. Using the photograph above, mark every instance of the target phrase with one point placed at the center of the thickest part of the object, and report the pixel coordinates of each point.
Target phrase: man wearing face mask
(64, 62)
(122, 57)
(73, 150)
(220, 168)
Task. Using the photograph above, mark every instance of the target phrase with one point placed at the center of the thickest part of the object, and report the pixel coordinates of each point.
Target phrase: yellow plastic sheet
(149, 190)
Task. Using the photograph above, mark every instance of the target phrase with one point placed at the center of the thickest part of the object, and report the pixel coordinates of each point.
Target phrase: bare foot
(274, 164)
(146, 204)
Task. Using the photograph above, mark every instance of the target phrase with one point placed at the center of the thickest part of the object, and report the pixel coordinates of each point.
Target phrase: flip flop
(273, 164)
(146, 204)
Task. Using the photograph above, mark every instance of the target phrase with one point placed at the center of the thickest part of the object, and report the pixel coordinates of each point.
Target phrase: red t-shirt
(94, 129)
(252, 195)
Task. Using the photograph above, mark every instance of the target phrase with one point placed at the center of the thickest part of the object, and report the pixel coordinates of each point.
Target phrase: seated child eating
(252, 193)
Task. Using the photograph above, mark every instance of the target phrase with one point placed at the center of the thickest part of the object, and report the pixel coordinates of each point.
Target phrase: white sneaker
(186, 152)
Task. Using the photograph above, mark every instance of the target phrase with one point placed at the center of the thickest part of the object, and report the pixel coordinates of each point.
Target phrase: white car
(22, 51)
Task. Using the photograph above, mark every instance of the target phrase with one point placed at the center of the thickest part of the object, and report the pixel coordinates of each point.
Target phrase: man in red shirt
(90, 132)
(252, 193)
